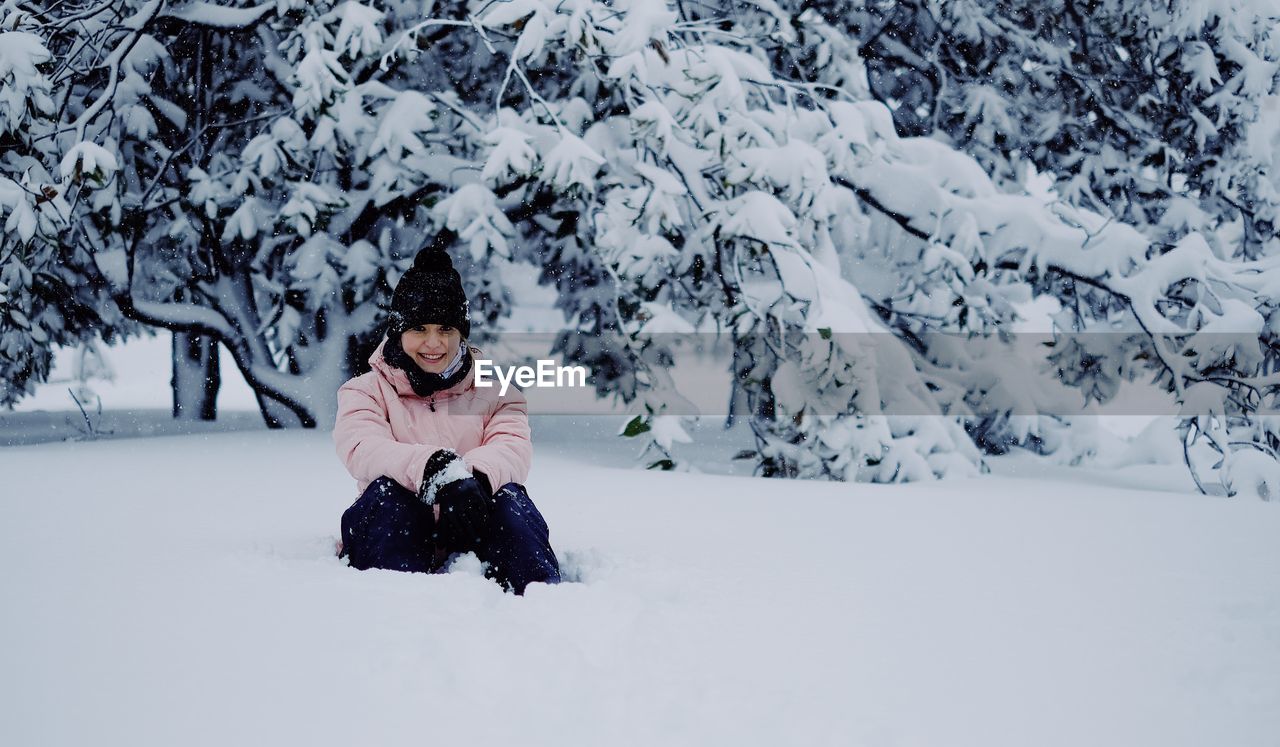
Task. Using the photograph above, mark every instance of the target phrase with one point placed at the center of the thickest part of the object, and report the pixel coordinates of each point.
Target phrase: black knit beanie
(430, 293)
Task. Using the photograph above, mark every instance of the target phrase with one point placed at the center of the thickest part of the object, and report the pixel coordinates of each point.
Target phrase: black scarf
(424, 383)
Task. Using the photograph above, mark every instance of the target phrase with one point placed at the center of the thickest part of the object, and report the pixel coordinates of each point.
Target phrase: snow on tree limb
(88, 160)
(219, 16)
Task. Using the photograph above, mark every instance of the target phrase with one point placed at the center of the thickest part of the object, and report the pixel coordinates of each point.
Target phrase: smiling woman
(435, 479)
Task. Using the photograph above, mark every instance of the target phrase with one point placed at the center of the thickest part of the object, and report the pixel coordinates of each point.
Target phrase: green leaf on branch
(635, 427)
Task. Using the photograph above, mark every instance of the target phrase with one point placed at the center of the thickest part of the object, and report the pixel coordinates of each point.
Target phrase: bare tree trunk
(196, 378)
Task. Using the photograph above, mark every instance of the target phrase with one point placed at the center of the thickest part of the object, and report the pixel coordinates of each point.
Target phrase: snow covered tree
(47, 296)
(169, 126)
(98, 156)
(662, 174)
(835, 186)
(1157, 115)
(715, 128)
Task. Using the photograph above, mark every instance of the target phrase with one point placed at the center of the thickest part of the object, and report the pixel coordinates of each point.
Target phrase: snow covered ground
(183, 591)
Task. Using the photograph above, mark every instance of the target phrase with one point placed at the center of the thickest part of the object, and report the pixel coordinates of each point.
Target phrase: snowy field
(762, 171)
(184, 591)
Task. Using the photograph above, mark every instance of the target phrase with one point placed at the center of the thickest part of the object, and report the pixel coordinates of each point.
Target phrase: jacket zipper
(432, 404)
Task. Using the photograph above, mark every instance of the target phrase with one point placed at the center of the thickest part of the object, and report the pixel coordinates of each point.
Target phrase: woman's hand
(443, 467)
(462, 523)
(460, 501)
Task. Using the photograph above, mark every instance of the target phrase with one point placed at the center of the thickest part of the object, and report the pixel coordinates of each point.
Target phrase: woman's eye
(446, 328)
(419, 330)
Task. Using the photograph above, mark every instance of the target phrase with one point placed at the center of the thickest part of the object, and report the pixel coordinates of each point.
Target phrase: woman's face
(431, 346)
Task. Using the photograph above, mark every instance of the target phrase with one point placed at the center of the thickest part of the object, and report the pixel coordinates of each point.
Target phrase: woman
(428, 447)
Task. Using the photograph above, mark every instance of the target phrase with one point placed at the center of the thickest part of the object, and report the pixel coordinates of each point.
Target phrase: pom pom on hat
(433, 260)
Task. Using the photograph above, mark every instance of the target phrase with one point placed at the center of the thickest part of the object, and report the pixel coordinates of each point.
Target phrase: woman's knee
(514, 507)
(511, 497)
(384, 487)
(512, 489)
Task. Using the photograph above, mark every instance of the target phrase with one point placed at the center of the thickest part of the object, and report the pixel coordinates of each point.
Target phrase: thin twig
(90, 431)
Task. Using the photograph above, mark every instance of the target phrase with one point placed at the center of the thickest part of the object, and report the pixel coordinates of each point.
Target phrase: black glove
(464, 503)
(465, 510)
(443, 467)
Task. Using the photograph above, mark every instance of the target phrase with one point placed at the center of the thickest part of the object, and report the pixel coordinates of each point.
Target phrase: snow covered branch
(219, 16)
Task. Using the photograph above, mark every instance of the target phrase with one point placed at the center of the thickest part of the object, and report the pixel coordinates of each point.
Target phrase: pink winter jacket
(384, 428)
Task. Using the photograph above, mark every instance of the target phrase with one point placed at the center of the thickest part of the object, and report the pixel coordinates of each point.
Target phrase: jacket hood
(400, 380)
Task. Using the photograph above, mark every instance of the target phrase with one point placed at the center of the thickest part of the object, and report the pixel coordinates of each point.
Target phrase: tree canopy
(842, 190)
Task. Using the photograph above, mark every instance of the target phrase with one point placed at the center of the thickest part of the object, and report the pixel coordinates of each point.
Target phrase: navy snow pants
(389, 527)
